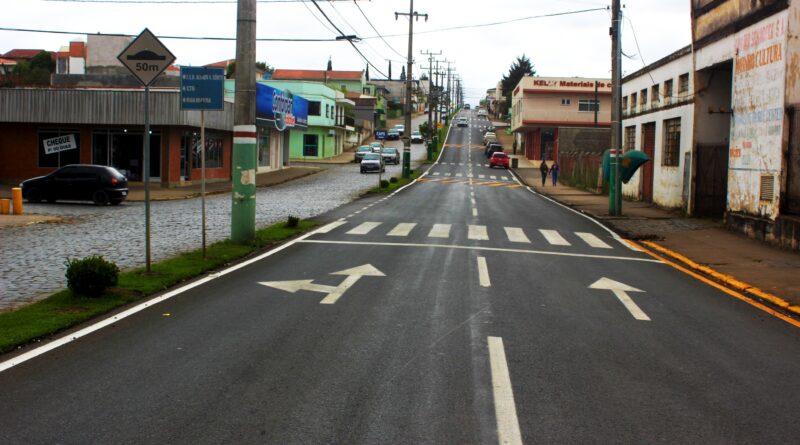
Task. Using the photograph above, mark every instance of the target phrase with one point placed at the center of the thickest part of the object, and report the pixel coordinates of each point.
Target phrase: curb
(725, 279)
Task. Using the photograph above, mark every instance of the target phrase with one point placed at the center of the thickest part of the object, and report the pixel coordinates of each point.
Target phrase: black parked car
(98, 183)
(493, 148)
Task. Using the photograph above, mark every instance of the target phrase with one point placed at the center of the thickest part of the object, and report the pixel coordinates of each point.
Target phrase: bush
(384, 183)
(91, 276)
(393, 179)
(292, 221)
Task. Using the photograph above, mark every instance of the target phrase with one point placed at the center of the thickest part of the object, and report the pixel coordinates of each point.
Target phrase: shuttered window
(672, 142)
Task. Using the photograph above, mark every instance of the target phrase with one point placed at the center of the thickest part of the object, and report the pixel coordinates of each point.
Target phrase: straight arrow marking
(631, 306)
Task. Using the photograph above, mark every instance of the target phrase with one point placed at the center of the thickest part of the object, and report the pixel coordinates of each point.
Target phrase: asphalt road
(464, 313)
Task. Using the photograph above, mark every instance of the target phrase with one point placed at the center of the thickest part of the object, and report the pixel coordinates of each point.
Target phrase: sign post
(202, 89)
(146, 57)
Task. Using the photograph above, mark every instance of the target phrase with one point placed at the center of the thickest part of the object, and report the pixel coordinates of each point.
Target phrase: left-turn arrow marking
(334, 292)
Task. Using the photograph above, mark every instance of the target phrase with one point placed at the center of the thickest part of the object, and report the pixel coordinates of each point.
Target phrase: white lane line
(554, 238)
(440, 231)
(363, 228)
(483, 273)
(331, 226)
(474, 212)
(505, 410)
(593, 240)
(477, 233)
(473, 201)
(402, 229)
(516, 235)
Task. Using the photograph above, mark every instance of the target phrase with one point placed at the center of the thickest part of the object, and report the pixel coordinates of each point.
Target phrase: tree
(367, 75)
(424, 76)
(330, 64)
(37, 71)
(403, 74)
(520, 68)
(264, 66)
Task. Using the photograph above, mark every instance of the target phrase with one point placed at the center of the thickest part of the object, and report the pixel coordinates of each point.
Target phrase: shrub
(393, 179)
(384, 183)
(91, 276)
(292, 221)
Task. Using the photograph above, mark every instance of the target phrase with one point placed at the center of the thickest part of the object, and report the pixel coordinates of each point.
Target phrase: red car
(498, 159)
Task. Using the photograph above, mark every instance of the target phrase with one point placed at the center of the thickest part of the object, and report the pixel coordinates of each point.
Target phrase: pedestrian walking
(554, 170)
(515, 146)
(544, 170)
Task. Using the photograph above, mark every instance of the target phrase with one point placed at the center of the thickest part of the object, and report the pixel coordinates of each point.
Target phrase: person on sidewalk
(554, 170)
(515, 146)
(544, 170)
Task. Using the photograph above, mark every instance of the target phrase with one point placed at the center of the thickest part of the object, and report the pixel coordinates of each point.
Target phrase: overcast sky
(566, 45)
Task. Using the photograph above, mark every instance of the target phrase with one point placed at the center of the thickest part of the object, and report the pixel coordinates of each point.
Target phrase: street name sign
(202, 88)
(146, 57)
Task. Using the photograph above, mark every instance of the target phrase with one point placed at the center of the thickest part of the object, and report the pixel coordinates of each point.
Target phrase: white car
(400, 128)
(372, 162)
(416, 137)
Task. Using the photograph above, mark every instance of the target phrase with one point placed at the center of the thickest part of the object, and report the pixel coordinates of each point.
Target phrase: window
(365, 90)
(633, 102)
(588, 105)
(643, 99)
(667, 90)
(683, 84)
(625, 104)
(60, 158)
(655, 97)
(263, 146)
(630, 139)
(327, 110)
(672, 142)
(314, 108)
(566, 102)
(214, 148)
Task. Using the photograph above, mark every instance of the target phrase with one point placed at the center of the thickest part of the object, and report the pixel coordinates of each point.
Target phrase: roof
(281, 74)
(7, 62)
(221, 64)
(26, 54)
(686, 50)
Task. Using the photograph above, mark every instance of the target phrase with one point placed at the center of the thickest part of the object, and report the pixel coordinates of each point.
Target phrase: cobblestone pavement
(32, 257)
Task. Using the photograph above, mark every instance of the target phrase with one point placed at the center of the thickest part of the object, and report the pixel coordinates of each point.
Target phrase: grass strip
(63, 309)
(396, 185)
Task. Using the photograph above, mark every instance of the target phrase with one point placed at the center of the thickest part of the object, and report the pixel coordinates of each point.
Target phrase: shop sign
(59, 144)
(282, 108)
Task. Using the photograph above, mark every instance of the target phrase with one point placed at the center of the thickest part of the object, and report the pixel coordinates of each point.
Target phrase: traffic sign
(146, 57)
(202, 88)
(380, 134)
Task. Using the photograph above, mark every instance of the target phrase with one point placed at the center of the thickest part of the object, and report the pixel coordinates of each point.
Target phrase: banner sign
(280, 107)
(61, 143)
(202, 88)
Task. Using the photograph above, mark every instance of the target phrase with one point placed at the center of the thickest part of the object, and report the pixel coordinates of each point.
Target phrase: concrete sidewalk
(704, 246)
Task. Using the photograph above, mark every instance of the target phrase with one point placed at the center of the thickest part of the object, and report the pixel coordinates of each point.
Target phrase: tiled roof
(316, 75)
(22, 53)
(7, 62)
(220, 64)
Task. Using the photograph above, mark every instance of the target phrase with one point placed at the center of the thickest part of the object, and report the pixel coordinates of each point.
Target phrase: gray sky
(569, 45)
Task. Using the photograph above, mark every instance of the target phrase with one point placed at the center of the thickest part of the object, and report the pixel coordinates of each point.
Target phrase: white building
(658, 119)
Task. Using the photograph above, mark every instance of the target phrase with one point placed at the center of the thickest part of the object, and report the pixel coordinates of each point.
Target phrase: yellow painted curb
(724, 278)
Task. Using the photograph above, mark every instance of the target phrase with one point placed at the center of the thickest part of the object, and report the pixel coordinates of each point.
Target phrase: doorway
(711, 190)
(649, 148)
(791, 203)
(124, 150)
(310, 145)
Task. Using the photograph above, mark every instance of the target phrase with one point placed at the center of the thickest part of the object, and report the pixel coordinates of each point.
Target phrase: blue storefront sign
(281, 108)
(202, 88)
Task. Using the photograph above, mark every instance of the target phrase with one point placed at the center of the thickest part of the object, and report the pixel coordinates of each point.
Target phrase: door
(310, 145)
(711, 181)
(649, 148)
(62, 186)
(791, 202)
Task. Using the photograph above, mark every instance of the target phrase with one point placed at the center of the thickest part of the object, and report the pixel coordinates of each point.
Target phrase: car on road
(390, 155)
(489, 136)
(400, 128)
(392, 135)
(462, 122)
(493, 148)
(482, 113)
(466, 107)
(416, 137)
(498, 159)
(376, 146)
(78, 182)
(372, 162)
(361, 151)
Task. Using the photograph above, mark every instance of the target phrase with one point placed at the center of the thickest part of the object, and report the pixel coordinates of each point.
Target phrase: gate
(711, 181)
(649, 148)
(791, 202)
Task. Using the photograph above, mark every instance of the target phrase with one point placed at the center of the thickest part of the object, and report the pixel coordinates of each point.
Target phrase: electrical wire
(263, 39)
(377, 32)
(179, 2)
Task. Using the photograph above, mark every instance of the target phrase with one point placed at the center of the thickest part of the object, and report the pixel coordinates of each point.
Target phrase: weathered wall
(713, 105)
(102, 52)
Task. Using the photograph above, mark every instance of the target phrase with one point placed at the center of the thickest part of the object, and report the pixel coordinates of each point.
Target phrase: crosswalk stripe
(477, 233)
(593, 240)
(482, 176)
(402, 229)
(447, 174)
(504, 178)
(516, 235)
(492, 177)
(553, 237)
(458, 175)
(363, 228)
(435, 173)
(440, 231)
(331, 226)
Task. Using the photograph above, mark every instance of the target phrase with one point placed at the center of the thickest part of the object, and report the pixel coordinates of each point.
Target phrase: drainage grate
(767, 188)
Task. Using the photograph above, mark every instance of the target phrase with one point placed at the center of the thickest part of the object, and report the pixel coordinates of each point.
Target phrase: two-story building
(550, 114)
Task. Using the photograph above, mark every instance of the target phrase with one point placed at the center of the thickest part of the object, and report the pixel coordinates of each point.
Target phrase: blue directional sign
(202, 88)
(380, 134)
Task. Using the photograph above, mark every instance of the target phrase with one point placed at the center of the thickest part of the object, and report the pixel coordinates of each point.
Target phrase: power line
(483, 25)
(377, 32)
(263, 39)
(179, 2)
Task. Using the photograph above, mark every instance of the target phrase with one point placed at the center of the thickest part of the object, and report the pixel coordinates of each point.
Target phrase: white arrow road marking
(334, 292)
(620, 290)
(505, 410)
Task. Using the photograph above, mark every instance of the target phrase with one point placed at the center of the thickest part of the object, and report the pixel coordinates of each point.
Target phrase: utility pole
(449, 90)
(430, 90)
(615, 192)
(412, 15)
(243, 204)
(439, 91)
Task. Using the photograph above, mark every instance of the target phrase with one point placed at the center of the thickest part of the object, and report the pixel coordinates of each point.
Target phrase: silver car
(372, 162)
(390, 156)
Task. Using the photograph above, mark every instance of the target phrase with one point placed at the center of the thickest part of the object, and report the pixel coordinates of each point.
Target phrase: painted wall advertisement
(280, 107)
(759, 83)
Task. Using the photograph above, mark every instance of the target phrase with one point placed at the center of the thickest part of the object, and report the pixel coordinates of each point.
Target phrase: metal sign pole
(147, 176)
(203, 173)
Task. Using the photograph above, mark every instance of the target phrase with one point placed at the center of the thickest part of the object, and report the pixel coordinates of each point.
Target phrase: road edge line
(96, 326)
(726, 279)
(505, 409)
(731, 292)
